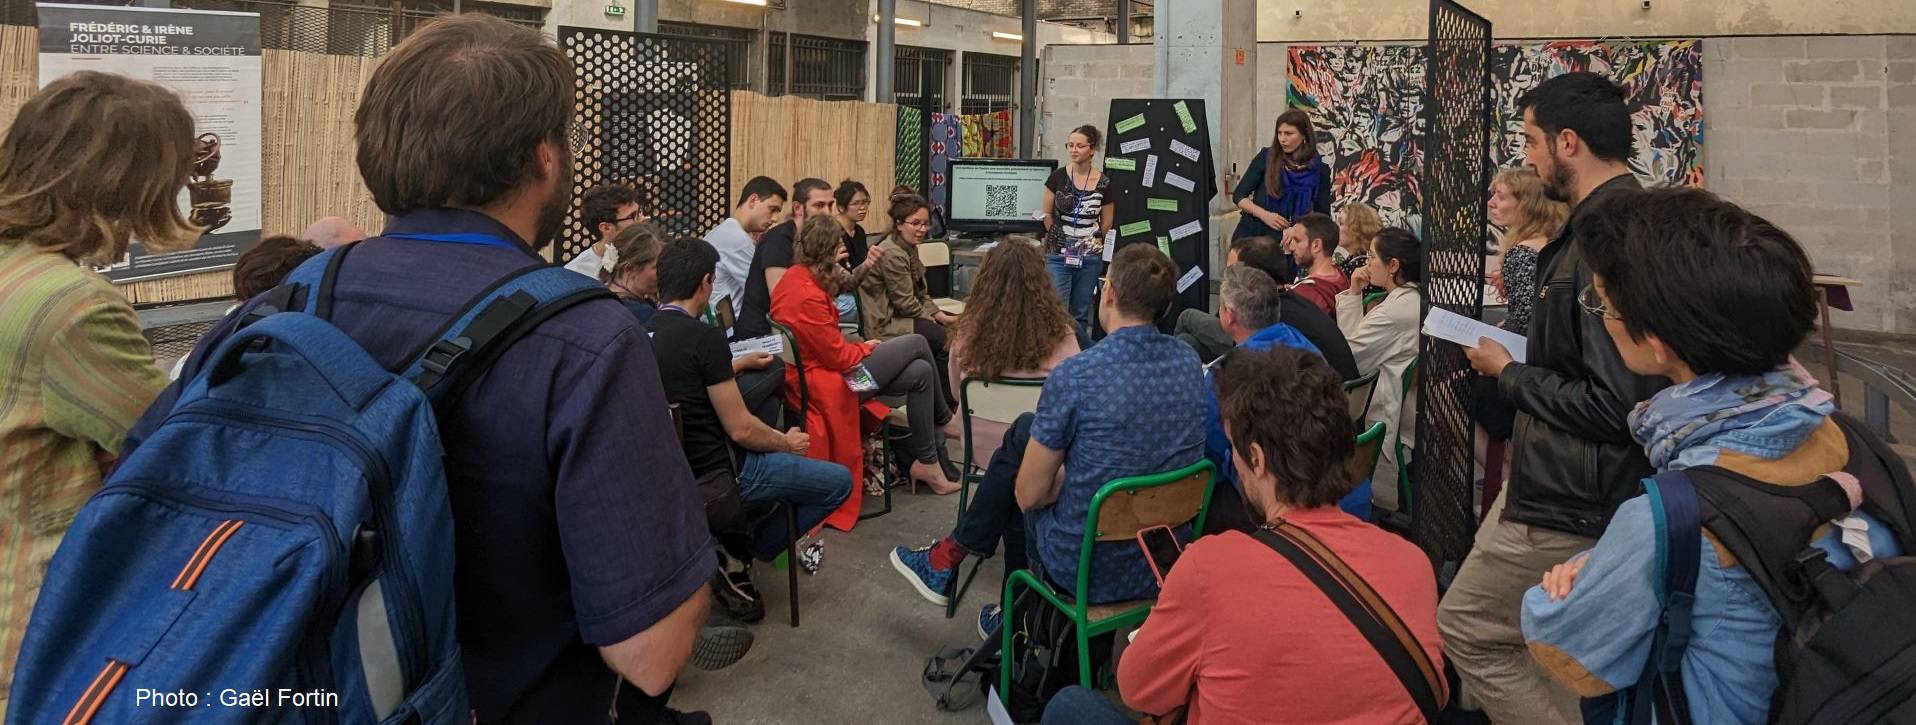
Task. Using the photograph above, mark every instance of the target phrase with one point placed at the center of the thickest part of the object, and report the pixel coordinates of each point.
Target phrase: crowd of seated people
(575, 469)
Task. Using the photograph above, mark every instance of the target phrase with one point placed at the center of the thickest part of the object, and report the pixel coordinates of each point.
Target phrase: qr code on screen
(1001, 201)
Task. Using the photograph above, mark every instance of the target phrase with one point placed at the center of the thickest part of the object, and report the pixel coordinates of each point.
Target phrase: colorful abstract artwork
(1366, 104)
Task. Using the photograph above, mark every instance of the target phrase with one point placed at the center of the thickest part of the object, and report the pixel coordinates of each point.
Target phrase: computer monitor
(998, 195)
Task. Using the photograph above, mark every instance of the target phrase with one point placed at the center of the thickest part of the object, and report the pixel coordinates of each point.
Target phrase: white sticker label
(1183, 149)
(1110, 244)
(1150, 169)
(1172, 178)
(1190, 278)
(1187, 229)
(1135, 145)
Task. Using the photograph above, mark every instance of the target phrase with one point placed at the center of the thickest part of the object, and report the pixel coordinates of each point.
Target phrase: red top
(1241, 636)
(1322, 290)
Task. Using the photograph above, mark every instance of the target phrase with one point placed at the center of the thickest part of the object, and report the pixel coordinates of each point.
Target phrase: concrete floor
(864, 635)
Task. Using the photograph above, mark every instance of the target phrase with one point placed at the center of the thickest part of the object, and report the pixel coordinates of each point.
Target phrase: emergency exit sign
(615, 10)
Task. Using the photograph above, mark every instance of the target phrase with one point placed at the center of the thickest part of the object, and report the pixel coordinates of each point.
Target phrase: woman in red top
(899, 366)
(1239, 634)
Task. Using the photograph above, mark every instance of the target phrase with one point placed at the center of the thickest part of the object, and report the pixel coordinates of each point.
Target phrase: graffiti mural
(1366, 104)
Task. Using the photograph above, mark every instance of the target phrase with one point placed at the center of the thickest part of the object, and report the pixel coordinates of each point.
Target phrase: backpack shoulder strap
(309, 288)
(1361, 604)
(1679, 524)
(491, 322)
(1888, 492)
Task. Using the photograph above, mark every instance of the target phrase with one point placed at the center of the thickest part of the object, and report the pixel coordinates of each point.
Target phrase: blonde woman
(92, 162)
(1529, 219)
(1357, 225)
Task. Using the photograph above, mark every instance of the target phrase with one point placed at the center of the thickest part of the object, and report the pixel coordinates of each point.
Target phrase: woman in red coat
(899, 366)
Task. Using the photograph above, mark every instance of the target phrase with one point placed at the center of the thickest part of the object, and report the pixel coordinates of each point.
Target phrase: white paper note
(1135, 145)
(1190, 278)
(769, 344)
(1110, 244)
(1150, 169)
(1446, 325)
(1183, 149)
(1172, 178)
(1187, 229)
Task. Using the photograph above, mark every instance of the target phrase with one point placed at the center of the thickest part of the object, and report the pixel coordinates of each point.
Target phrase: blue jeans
(812, 487)
(1075, 286)
(1076, 705)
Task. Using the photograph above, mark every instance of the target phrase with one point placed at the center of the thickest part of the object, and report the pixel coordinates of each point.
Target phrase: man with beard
(581, 541)
(1572, 460)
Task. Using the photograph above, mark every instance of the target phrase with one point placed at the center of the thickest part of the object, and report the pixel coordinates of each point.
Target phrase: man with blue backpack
(430, 474)
(1761, 577)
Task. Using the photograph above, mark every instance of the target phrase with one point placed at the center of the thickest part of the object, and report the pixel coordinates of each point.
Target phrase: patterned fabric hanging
(910, 169)
(946, 140)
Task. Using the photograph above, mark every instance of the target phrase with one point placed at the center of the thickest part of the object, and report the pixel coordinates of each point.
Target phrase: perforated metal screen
(1456, 165)
(653, 113)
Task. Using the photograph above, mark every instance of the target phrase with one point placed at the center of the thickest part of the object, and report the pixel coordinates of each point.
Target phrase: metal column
(645, 16)
(1124, 21)
(887, 51)
(1028, 82)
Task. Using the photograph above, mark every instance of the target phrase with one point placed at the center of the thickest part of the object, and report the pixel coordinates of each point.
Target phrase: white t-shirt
(735, 249)
(587, 263)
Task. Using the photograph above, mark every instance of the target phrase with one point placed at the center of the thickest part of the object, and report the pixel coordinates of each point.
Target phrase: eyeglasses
(1593, 304)
(910, 223)
(636, 215)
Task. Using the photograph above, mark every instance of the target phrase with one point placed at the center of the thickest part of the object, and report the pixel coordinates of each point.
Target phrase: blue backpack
(280, 548)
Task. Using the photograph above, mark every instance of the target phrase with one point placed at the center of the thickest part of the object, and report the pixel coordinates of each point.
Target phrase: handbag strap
(1361, 604)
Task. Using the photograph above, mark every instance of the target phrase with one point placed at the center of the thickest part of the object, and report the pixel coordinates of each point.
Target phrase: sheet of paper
(1161, 204)
(1187, 229)
(1446, 325)
(1120, 163)
(1110, 244)
(1134, 145)
(769, 344)
(1039, 215)
(1150, 169)
(1172, 178)
(1135, 228)
(1127, 125)
(1184, 117)
(1164, 245)
(1190, 278)
(1183, 149)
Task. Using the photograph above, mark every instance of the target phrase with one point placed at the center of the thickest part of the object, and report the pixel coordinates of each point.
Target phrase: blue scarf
(1300, 191)
(1766, 415)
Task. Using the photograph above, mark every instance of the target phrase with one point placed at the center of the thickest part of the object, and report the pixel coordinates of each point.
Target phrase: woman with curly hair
(1357, 226)
(1012, 328)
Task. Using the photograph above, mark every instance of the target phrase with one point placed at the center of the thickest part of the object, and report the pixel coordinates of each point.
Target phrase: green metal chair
(1001, 400)
(1370, 446)
(1404, 489)
(1358, 392)
(1118, 512)
(1372, 298)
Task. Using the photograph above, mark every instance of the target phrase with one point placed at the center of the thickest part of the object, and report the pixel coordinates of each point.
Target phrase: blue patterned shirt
(1133, 404)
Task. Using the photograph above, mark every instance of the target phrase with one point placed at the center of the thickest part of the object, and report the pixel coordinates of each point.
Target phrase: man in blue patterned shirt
(1134, 404)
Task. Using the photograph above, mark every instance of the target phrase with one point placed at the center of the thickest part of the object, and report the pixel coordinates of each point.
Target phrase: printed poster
(213, 60)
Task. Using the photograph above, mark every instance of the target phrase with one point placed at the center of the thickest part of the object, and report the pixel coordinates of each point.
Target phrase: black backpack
(1846, 652)
(1044, 661)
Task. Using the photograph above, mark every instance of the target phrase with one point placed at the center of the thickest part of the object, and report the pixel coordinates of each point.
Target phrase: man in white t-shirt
(736, 238)
(606, 209)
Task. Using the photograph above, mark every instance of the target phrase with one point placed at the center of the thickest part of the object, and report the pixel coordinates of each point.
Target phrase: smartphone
(1161, 550)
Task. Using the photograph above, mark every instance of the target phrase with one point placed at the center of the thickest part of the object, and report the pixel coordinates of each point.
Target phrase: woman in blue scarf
(1286, 181)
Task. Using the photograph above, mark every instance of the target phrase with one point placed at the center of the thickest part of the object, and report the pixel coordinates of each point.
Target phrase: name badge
(1072, 260)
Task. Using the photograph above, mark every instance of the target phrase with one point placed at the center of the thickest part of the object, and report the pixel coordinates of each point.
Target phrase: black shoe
(695, 717)
(737, 596)
(720, 646)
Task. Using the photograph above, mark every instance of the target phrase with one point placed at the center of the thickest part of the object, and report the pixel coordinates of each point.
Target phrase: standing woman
(854, 202)
(1529, 219)
(91, 162)
(1384, 340)
(1286, 181)
(895, 299)
(1076, 219)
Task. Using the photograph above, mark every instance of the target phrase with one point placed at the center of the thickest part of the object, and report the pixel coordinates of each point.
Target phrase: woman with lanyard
(1286, 181)
(1075, 223)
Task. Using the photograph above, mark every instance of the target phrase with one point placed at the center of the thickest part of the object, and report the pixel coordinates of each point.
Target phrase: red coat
(832, 419)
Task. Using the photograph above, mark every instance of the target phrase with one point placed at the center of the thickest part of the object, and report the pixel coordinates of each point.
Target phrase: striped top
(74, 375)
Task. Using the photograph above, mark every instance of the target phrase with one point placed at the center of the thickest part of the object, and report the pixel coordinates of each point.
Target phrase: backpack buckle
(444, 353)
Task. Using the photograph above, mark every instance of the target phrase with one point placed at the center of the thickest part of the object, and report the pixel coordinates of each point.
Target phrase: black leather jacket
(1572, 458)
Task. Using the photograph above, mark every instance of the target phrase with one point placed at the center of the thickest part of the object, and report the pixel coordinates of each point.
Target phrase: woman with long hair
(854, 203)
(1384, 340)
(1076, 219)
(895, 300)
(1529, 219)
(632, 269)
(92, 162)
(1286, 181)
(830, 366)
(1012, 328)
(1357, 225)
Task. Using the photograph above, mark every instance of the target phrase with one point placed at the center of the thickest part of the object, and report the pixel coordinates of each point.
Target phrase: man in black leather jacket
(1572, 458)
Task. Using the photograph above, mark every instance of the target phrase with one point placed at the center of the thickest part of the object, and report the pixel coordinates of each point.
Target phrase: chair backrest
(1357, 393)
(1001, 401)
(1126, 506)
(1372, 298)
(788, 352)
(934, 254)
(1410, 375)
(1370, 445)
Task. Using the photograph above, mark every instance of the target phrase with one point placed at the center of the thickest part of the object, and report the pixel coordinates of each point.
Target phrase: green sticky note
(1164, 245)
(1120, 163)
(1134, 228)
(1126, 125)
(1184, 117)
(1157, 204)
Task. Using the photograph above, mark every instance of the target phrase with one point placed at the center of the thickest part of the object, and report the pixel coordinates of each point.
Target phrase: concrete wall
(1817, 134)
(1407, 19)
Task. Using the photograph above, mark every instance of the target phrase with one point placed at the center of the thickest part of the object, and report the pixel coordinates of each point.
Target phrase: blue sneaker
(988, 620)
(915, 564)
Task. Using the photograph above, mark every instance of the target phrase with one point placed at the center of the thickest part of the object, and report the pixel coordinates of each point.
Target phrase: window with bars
(828, 69)
(913, 67)
(991, 83)
(738, 47)
(366, 29)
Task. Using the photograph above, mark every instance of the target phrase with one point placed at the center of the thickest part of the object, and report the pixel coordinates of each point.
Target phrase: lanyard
(678, 309)
(473, 238)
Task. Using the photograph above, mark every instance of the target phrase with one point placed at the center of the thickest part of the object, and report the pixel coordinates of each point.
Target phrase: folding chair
(1001, 400)
(937, 256)
(791, 519)
(1118, 512)
(1358, 392)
